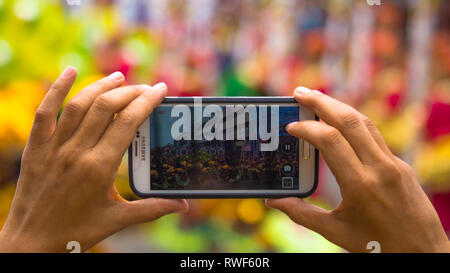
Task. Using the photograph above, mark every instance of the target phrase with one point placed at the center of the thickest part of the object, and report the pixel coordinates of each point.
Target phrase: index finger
(344, 118)
(120, 132)
(336, 151)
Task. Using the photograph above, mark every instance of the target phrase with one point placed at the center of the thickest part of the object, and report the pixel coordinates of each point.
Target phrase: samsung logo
(142, 148)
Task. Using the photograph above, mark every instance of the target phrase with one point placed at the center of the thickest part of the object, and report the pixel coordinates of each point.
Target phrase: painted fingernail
(302, 90)
(160, 87)
(116, 76)
(69, 71)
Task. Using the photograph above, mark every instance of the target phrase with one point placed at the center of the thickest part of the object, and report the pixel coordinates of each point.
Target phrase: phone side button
(305, 150)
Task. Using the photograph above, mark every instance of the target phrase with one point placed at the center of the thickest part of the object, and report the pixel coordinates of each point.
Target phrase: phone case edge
(228, 195)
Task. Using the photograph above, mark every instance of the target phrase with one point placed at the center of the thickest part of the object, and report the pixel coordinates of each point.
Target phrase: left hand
(65, 190)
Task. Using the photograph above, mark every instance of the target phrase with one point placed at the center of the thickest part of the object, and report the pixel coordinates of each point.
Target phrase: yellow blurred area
(251, 211)
(18, 103)
(6, 196)
(433, 163)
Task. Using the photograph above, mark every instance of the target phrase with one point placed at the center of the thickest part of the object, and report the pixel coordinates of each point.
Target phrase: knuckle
(93, 165)
(104, 103)
(67, 158)
(331, 136)
(57, 85)
(41, 115)
(390, 172)
(350, 119)
(408, 169)
(369, 185)
(368, 122)
(361, 178)
(369, 180)
(73, 107)
(125, 120)
(403, 166)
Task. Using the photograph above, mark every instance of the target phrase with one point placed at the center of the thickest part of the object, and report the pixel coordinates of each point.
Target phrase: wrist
(442, 246)
(17, 243)
(8, 243)
(446, 247)
(5, 243)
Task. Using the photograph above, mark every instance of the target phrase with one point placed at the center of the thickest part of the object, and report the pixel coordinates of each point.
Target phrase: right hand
(382, 199)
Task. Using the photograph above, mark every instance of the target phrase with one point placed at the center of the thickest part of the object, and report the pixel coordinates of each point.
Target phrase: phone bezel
(145, 175)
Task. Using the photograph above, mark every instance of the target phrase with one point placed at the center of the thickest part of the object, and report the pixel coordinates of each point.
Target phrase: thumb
(150, 209)
(303, 213)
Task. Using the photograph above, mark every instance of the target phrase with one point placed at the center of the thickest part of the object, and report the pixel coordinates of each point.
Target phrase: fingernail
(160, 87)
(290, 126)
(302, 90)
(182, 209)
(146, 87)
(116, 76)
(68, 71)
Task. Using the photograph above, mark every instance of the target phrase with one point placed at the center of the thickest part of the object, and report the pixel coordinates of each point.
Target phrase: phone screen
(215, 148)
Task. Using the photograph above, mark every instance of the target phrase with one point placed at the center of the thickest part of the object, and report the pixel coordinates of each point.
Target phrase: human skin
(381, 197)
(65, 190)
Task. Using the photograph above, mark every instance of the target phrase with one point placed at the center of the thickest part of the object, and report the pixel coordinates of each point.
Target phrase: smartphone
(223, 147)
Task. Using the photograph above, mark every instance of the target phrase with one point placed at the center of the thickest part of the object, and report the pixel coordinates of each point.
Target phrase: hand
(65, 190)
(382, 199)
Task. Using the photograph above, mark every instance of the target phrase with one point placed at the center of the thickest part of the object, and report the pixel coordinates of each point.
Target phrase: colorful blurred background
(392, 62)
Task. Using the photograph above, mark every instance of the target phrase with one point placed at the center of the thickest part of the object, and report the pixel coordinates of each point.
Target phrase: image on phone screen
(223, 164)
